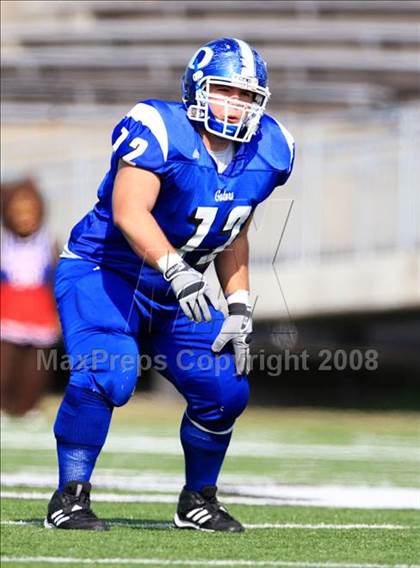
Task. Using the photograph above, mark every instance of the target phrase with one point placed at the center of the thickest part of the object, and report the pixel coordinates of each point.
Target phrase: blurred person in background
(28, 315)
(183, 183)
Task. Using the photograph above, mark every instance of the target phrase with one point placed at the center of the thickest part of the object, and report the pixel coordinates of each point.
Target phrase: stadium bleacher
(340, 53)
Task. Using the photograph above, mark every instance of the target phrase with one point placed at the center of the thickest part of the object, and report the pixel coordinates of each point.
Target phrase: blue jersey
(200, 210)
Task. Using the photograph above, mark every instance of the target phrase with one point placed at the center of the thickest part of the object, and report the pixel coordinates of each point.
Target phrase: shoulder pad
(182, 137)
(276, 145)
(141, 138)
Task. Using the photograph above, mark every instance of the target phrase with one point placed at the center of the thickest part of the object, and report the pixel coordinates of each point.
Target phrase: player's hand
(192, 291)
(237, 329)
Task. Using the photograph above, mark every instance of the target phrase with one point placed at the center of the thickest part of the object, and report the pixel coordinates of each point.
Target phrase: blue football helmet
(227, 62)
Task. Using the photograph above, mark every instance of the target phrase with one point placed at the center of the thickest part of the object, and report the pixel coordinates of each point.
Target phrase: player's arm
(134, 196)
(232, 264)
(232, 270)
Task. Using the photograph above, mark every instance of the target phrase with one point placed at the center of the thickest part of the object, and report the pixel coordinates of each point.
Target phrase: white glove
(237, 328)
(191, 290)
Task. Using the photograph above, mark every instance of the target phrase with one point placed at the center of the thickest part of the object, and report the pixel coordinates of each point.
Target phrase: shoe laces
(82, 500)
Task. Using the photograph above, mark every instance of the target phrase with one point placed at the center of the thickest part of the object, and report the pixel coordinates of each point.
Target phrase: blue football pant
(107, 324)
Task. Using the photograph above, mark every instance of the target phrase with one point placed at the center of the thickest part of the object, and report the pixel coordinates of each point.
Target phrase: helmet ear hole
(232, 63)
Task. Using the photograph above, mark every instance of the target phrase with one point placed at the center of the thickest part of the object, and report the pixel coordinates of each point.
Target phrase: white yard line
(379, 497)
(166, 562)
(156, 490)
(167, 525)
(307, 496)
(126, 443)
(328, 526)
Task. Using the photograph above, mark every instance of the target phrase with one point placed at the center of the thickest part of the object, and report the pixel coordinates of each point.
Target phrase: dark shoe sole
(49, 525)
(180, 524)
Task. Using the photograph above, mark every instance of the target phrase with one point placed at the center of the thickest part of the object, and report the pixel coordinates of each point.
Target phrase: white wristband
(239, 297)
(168, 261)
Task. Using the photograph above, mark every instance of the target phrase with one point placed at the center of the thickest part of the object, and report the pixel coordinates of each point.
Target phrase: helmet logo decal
(208, 54)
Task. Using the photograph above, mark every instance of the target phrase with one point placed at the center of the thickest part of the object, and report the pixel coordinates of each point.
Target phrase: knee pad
(118, 395)
(235, 399)
(113, 381)
(219, 416)
(83, 418)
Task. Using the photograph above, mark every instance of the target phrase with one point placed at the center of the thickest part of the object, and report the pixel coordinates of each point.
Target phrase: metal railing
(354, 190)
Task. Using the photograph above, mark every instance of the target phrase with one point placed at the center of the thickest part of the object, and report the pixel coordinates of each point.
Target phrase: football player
(183, 182)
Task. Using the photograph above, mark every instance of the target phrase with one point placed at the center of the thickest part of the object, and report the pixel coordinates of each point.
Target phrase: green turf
(299, 429)
(359, 545)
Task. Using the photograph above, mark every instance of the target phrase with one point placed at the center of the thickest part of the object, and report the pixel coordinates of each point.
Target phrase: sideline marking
(395, 503)
(263, 494)
(168, 525)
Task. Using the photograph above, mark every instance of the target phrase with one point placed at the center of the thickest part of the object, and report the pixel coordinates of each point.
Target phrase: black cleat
(70, 509)
(202, 511)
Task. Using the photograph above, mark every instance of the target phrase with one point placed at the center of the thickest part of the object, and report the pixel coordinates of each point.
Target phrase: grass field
(314, 488)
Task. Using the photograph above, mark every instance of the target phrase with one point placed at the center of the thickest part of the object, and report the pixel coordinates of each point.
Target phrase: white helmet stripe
(247, 57)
